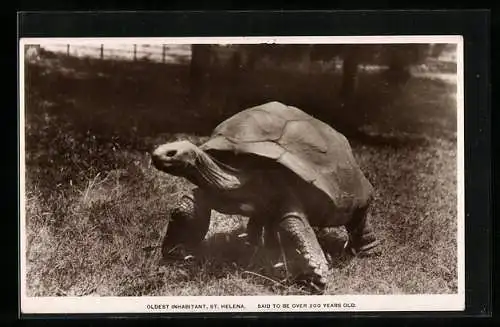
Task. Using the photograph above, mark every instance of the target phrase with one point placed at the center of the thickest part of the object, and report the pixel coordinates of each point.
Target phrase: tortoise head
(176, 158)
(184, 159)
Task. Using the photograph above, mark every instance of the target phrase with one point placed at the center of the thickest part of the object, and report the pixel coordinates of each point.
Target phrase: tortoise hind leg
(254, 231)
(189, 222)
(295, 228)
(362, 240)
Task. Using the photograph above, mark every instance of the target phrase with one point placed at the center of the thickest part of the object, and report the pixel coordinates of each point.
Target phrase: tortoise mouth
(159, 163)
(172, 168)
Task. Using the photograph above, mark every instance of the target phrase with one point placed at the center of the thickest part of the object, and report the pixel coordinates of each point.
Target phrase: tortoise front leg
(295, 228)
(189, 221)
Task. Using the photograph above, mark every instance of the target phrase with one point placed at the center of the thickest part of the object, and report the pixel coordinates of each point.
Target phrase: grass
(96, 210)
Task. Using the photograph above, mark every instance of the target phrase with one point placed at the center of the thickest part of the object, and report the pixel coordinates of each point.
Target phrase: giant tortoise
(285, 170)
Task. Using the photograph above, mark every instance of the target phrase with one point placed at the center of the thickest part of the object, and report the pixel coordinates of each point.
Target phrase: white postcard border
(322, 303)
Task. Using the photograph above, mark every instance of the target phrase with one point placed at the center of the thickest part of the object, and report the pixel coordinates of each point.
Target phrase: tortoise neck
(213, 174)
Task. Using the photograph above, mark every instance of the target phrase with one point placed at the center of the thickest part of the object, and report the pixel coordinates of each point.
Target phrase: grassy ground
(96, 210)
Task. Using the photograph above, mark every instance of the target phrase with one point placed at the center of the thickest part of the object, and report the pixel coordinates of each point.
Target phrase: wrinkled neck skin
(209, 173)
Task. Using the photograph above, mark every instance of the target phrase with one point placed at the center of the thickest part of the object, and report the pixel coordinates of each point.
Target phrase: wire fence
(158, 53)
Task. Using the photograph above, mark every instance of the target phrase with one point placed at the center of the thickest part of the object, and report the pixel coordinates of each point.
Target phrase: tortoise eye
(171, 153)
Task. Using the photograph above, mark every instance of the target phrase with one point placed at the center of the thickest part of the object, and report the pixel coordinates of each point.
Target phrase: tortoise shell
(310, 148)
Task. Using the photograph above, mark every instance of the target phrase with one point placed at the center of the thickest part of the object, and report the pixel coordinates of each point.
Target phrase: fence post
(135, 52)
(163, 49)
(102, 51)
(67, 49)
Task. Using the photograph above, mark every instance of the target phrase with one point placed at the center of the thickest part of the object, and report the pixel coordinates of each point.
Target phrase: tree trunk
(349, 74)
(398, 71)
(199, 73)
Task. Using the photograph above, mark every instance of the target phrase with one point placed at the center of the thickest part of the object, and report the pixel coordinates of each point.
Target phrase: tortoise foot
(362, 240)
(363, 247)
(313, 281)
(311, 285)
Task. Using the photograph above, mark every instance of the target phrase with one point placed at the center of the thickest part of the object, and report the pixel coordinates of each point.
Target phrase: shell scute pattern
(252, 126)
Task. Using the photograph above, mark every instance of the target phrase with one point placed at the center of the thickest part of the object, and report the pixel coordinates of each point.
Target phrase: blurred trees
(395, 58)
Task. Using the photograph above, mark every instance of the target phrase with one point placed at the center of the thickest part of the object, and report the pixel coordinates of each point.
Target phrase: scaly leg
(189, 222)
(295, 228)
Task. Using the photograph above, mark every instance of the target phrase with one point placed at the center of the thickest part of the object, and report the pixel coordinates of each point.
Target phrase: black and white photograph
(242, 174)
